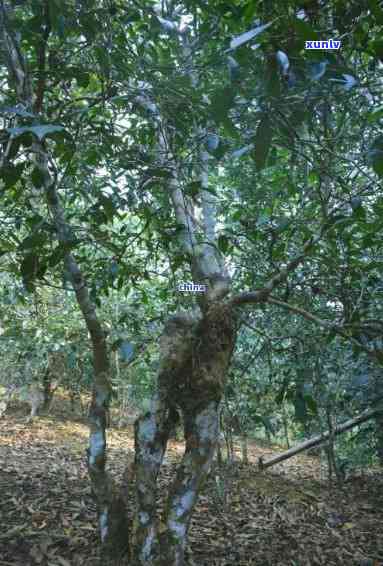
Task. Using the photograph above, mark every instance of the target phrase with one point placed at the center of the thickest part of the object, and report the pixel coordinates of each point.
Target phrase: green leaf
(108, 206)
(375, 116)
(82, 79)
(33, 241)
(103, 59)
(14, 149)
(144, 297)
(376, 10)
(298, 116)
(28, 266)
(249, 12)
(211, 190)
(40, 131)
(11, 174)
(282, 392)
(377, 47)
(223, 243)
(194, 188)
(57, 256)
(313, 177)
(237, 215)
(5, 251)
(159, 172)
(41, 269)
(37, 178)
(262, 142)
(359, 213)
(222, 101)
(178, 261)
(375, 155)
(231, 131)
(305, 31)
(65, 148)
(279, 251)
(272, 78)
(311, 404)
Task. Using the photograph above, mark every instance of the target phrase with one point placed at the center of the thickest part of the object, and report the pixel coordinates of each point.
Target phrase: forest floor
(287, 515)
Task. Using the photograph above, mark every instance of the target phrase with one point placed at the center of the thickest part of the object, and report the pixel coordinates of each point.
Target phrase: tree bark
(112, 518)
(151, 436)
(195, 357)
(201, 432)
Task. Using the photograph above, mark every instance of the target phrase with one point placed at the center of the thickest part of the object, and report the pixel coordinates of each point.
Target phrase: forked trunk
(195, 356)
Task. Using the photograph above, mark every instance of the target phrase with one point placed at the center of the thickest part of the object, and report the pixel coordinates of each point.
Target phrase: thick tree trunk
(151, 436)
(201, 432)
(195, 356)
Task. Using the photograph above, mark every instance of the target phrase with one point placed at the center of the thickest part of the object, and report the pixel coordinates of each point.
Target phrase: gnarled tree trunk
(195, 357)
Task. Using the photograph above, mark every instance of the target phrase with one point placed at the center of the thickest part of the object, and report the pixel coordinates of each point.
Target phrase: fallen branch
(317, 439)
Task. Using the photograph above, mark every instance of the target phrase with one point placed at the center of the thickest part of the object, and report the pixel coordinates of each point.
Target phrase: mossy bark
(195, 357)
(151, 435)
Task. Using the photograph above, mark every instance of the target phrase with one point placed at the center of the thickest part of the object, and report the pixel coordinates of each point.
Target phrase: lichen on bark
(195, 353)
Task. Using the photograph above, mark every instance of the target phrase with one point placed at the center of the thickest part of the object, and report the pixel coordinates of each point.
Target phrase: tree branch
(261, 295)
(376, 355)
(41, 60)
(14, 60)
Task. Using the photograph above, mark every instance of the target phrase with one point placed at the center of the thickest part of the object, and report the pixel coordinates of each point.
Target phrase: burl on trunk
(195, 356)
